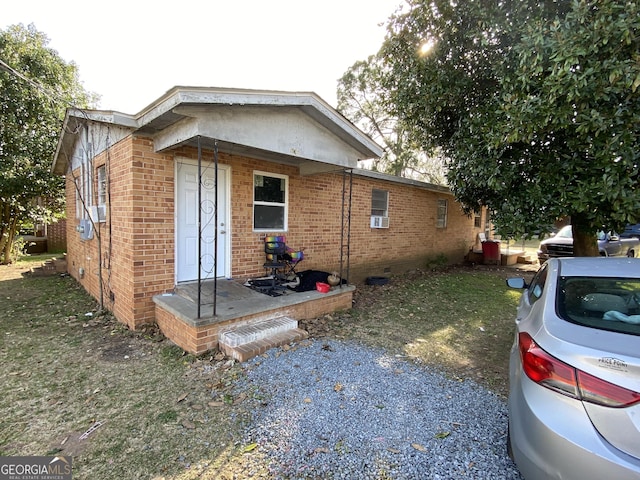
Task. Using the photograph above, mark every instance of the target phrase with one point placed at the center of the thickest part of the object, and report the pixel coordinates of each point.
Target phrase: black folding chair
(275, 250)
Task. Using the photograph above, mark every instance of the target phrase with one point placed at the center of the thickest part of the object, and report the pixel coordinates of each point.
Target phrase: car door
(605, 246)
(615, 245)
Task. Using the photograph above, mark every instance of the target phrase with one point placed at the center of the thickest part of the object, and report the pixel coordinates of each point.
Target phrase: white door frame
(224, 218)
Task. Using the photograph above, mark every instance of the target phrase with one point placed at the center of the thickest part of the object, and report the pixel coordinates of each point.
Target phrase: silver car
(610, 244)
(574, 401)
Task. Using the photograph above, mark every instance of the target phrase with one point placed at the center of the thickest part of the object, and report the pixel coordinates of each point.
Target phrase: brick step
(50, 267)
(527, 259)
(247, 341)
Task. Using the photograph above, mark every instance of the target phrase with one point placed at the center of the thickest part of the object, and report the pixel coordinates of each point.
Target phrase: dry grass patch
(155, 412)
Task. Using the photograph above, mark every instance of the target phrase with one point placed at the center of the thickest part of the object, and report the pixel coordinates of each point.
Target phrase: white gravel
(336, 410)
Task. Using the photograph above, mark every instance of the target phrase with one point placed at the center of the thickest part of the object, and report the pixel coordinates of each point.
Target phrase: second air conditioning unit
(98, 213)
(379, 222)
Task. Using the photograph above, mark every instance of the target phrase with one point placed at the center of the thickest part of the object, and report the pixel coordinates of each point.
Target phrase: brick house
(280, 162)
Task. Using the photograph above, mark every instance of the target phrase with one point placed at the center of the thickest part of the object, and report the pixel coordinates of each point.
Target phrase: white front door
(187, 210)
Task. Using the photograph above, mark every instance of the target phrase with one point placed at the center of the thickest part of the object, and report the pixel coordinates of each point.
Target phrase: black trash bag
(308, 279)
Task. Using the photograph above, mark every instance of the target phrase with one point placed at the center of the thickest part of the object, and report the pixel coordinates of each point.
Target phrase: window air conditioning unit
(98, 213)
(379, 222)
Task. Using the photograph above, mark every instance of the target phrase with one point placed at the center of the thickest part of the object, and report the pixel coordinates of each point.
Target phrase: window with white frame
(101, 174)
(270, 196)
(99, 210)
(83, 191)
(477, 219)
(442, 214)
(79, 186)
(379, 208)
(379, 203)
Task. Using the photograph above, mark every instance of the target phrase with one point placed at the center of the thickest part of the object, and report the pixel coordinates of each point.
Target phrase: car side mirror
(516, 283)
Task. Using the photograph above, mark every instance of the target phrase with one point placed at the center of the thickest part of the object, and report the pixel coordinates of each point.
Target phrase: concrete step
(50, 267)
(527, 259)
(247, 341)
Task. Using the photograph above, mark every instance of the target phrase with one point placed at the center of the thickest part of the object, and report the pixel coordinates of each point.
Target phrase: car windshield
(599, 302)
(565, 232)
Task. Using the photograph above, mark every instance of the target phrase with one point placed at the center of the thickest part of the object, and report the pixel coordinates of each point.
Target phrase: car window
(601, 302)
(565, 232)
(604, 236)
(536, 287)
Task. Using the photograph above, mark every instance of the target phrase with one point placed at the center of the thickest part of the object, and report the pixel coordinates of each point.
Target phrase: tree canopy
(36, 86)
(535, 104)
(363, 99)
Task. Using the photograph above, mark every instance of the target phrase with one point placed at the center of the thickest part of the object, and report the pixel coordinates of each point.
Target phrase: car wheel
(631, 254)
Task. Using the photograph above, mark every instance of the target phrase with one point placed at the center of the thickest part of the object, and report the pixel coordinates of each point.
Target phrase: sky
(130, 52)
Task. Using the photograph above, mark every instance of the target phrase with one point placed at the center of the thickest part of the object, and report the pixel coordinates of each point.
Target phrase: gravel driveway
(329, 409)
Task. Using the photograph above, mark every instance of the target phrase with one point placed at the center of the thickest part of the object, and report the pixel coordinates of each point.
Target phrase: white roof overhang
(285, 127)
(74, 129)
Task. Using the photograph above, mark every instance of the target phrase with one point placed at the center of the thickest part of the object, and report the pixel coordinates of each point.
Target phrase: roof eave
(74, 120)
(164, 111)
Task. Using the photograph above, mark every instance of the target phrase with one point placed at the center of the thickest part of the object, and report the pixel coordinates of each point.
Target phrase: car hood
(557, 241)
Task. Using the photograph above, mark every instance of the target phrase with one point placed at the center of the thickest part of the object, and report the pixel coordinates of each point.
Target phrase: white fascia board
(180, 98)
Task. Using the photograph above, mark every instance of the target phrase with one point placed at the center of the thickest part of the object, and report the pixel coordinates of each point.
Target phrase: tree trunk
(8, 226)
(7, 256)
(585, 241)
(4, 231)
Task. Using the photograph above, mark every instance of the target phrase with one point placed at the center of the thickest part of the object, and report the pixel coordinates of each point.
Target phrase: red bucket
(323, 287)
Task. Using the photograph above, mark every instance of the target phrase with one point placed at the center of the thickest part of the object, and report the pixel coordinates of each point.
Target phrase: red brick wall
(137, 241)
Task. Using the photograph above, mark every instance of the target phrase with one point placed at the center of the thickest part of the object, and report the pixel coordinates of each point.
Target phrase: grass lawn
(157, 413)
(67, 369)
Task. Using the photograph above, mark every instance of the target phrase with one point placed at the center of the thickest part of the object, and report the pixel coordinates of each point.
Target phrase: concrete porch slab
(237, 305)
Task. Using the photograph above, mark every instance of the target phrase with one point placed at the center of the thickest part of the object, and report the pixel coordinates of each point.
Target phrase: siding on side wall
(138, 239)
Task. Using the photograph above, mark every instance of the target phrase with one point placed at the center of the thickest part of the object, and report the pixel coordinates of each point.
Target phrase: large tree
(36, 86)
(534, 103)
(363, 99)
